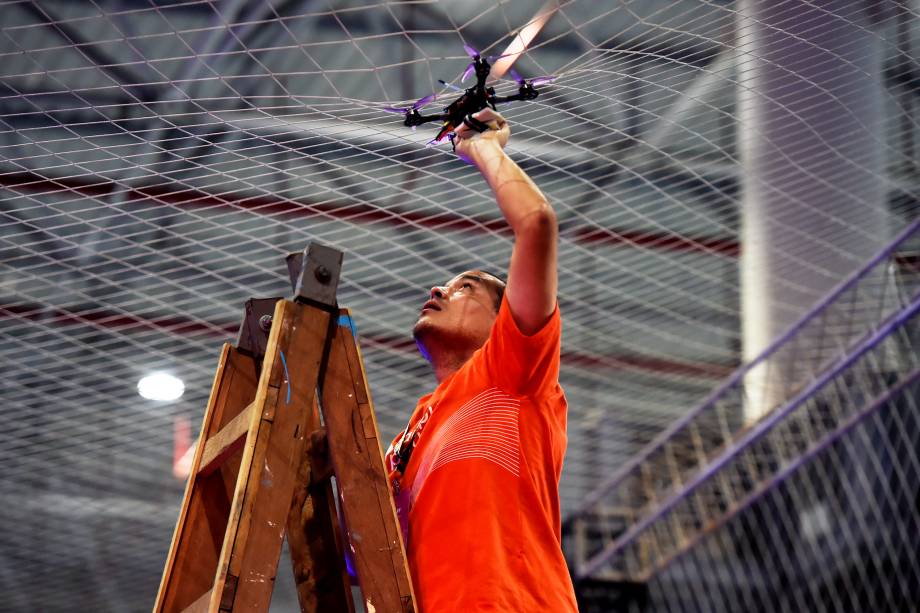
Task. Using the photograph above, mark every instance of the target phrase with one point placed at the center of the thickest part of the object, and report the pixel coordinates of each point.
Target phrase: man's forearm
(532, 277)
(520, 200)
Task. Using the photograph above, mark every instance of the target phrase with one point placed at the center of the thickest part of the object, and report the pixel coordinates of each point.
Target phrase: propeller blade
(470, 51)
(466, 73)
(393, 109)
(523, 38)
(423, 101)
(450, 85)
(536, 82)
(514, 75)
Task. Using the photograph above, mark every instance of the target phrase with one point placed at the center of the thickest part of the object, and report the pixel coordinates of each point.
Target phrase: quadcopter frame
(473, 100)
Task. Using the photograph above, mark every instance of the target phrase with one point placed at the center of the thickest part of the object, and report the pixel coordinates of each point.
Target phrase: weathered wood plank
(226, 441)
(254, 476)
(370, 516)
(381, 483)
(317, 554)
(160, 605)
(242, 524)
(272, 454)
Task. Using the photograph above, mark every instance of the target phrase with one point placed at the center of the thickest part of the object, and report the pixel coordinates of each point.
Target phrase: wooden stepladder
(289, 409)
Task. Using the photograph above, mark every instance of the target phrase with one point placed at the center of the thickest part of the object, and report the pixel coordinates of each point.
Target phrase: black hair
(499, 287)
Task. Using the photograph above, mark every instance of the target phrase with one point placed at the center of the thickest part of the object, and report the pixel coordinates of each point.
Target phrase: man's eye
(467, 285)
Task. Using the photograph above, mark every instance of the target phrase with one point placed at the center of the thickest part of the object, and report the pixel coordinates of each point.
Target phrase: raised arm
(532, 280)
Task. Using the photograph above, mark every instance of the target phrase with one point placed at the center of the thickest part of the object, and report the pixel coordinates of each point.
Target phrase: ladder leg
(354, 446)
(199, 534)
(317, 553)
(272, 458)
(227, 543)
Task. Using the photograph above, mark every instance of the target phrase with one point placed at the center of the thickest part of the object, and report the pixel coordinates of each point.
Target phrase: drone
(472, 100)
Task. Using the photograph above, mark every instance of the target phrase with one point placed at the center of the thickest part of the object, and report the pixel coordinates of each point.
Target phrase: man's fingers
(474, 124)
(462, 131)
(490, 117)
(493, 121)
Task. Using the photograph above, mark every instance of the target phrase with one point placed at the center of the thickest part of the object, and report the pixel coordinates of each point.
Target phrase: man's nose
(438, 291)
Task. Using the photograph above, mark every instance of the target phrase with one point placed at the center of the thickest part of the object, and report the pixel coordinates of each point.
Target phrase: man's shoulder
(506, 327)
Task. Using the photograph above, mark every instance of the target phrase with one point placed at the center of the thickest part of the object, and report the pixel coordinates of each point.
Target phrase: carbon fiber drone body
(472, 100)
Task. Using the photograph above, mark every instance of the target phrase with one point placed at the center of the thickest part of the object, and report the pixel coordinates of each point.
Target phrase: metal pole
(812, 148)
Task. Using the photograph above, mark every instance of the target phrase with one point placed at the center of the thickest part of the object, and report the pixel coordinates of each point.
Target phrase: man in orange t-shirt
(476, 472)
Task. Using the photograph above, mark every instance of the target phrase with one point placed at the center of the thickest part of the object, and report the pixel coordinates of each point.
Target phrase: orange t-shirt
(479, 500)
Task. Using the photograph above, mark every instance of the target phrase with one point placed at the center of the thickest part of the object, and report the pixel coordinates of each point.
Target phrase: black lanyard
(402, 451)
(400, 455)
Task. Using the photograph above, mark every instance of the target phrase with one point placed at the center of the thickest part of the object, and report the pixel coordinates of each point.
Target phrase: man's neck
(445, 361)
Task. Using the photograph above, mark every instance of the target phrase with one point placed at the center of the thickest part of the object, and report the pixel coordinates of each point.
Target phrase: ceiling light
(160, 386)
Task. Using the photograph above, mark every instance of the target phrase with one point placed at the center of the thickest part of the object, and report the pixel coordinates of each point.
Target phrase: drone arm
(515, 97)
(430, 118)
(417, 120)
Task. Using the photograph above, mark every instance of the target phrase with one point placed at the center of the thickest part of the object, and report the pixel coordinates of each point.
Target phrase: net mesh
(158, 158)
(709, 465)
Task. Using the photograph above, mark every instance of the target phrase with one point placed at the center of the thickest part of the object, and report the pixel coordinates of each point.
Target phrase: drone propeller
(524, 37)
(471, 51)
(538, 81)
(418, 104)
(535, 82)
(393, 109)
(469, 70)
(450, 85)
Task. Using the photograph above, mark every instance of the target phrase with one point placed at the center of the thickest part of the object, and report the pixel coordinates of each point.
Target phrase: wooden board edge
(246, 464)
(226, 440)
(372, 447)
(242, 482)
(190, 483)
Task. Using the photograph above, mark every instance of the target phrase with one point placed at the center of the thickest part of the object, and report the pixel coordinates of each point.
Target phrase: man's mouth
(431, 305)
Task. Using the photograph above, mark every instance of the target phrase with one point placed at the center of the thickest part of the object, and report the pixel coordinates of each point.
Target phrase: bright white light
(160, 386)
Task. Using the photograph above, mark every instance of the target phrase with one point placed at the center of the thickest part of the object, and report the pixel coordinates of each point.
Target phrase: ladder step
(227, 440)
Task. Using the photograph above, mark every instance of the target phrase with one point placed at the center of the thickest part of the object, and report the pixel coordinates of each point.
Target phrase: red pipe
(182, 196)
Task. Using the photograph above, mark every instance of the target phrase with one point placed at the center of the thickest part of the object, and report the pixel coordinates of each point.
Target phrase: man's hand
(531, 290)
(476, 147)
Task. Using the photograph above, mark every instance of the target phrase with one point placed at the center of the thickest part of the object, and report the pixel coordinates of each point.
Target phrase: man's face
(460, 312)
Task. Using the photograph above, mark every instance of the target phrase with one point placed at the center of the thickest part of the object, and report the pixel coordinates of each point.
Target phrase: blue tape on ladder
(347, 322)
(287, 377)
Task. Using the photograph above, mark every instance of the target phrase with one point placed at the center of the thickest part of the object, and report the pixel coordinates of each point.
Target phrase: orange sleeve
(521, 364)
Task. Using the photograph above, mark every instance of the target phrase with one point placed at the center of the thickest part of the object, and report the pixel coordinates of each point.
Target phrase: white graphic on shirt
(485, 427)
